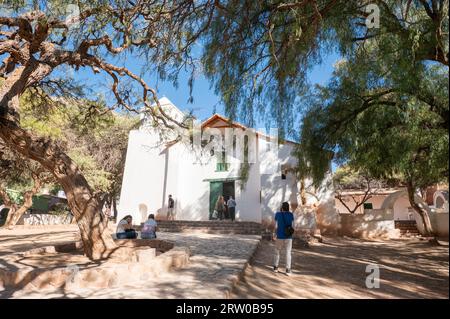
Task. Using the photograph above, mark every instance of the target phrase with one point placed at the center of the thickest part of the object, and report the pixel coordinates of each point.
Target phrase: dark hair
(285, 207)
(170, 195)
(128, 216)
(151, 216)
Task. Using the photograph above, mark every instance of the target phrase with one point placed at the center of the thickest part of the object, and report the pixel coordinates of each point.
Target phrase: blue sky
(206, 102)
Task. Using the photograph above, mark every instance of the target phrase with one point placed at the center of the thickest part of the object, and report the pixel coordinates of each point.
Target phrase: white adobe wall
(248, 199)
(141, 193)
(402, 209)
(275, 190)
(152, 173)
(192, 196)
(376, 201)
(401, 206)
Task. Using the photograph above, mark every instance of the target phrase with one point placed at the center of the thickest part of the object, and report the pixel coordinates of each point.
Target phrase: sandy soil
(337, 269)
(334, 269)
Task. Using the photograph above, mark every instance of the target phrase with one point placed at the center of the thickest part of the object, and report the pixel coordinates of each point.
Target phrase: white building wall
(402, 209)
(141, 193)
(248, 199)
(376, 201)
(153, 171)
(275, 190)
(192, 199)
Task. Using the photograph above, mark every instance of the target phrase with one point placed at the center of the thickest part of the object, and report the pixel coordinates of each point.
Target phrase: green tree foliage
(374, 118)
(258, 53)
(385, 111)
(25, 176)
(95, 139)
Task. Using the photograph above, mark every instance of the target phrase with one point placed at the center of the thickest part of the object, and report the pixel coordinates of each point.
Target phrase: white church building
(195, 173)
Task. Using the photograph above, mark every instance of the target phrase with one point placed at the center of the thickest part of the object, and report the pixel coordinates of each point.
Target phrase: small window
(283, 175)
(368, 206)
(222, 167)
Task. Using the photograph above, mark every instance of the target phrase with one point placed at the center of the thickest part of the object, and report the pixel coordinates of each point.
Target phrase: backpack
(148, 228)
(288, 230)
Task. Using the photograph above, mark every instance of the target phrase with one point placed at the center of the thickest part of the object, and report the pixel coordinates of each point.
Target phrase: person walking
(231, 208)
(284, 230)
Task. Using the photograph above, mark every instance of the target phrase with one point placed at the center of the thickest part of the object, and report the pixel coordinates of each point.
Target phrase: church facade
(252, 167)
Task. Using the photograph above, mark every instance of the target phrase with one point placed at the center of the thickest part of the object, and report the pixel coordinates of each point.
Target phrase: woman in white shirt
(124, 228)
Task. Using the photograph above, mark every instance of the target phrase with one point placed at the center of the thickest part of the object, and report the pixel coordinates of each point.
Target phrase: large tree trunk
(420, 210)
(14, 215)
(8, 204)
(114, 207)
(16, 212)
(84, 204)
(303, 191)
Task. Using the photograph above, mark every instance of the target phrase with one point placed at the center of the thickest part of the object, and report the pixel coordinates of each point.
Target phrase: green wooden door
(215, 190)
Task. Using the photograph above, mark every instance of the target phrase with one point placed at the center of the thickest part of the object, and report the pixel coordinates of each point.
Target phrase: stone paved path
(216, 261)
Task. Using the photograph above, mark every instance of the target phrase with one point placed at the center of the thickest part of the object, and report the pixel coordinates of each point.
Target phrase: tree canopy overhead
(258, 53)
(385, 110)
(38, 40)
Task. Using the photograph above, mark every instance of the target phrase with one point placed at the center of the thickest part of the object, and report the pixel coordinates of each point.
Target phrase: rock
(147, 255)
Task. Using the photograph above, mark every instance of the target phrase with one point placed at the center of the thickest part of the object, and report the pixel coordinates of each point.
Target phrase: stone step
(212, 231)
(218, 227)
(409, 231)
(407, 227)
(212, 226)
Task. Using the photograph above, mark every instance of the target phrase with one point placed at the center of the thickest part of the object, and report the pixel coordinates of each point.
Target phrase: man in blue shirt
(283, 241)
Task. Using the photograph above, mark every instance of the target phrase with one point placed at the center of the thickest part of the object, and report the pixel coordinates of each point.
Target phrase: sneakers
(275, 269)
(288, 272)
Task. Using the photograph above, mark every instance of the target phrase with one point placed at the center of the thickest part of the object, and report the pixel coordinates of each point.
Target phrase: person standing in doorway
(220, 207)
(284, 221)
(170, 209)
(231, 208)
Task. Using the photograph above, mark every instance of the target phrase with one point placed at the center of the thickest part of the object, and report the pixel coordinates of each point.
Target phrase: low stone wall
(143, 264)
(45, 219)
(439, 223)
(373, 223)
(327, 218)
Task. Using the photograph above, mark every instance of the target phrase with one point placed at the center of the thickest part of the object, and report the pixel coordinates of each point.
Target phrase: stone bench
(143, 264)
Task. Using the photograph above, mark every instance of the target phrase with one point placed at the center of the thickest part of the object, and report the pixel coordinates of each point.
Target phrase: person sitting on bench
(149, 228)
(125, 228)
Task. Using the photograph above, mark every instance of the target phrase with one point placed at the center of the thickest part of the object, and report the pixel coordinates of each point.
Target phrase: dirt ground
(25, 238)
(337, 269)
(334, 269)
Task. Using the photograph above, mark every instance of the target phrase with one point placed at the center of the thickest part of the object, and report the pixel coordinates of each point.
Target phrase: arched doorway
(406, 225)
(440, 200)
